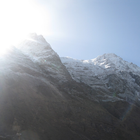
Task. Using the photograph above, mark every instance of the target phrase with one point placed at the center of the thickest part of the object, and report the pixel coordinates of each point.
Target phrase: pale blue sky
(84, 29)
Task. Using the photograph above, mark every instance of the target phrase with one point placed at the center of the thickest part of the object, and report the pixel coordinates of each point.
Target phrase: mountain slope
(40, 102)
(109, 74)
(41, 53)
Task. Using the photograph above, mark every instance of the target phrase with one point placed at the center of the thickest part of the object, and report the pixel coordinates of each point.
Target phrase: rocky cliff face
(40, 101)
(41, 53)
(115, 78)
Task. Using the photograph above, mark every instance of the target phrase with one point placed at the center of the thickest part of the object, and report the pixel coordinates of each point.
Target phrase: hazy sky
(82, 29)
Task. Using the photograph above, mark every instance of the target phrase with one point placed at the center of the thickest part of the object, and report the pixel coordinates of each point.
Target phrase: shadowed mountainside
(39, 104)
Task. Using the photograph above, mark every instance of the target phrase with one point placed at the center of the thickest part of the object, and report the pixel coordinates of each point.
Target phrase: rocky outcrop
(136, 77)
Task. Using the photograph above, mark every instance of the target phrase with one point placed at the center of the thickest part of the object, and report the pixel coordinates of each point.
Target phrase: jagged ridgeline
(109, 74)
(43, 97)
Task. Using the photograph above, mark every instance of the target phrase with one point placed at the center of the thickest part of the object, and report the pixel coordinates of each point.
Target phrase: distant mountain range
(45, 97)
(108, 73)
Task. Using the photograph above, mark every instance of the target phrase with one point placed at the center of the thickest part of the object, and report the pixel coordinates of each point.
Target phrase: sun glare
(19, 18)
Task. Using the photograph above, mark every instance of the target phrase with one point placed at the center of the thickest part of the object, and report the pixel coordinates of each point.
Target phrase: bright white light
(19, 18)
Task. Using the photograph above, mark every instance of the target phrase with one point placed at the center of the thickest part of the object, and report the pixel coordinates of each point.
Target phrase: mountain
(108, 74)
(42, 98)
(41, 53)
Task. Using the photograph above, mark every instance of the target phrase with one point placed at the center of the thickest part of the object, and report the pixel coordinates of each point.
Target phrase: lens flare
(19, 18)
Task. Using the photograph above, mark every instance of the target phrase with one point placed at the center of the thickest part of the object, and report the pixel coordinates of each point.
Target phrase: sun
(19, 18)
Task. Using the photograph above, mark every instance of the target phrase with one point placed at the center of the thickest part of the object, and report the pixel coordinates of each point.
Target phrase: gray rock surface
(115, 78)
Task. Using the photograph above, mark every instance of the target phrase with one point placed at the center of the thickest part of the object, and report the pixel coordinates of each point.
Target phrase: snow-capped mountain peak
(107, 73)
(36, 47)
(39, 51)
(113, 61)
(105, 62)
(37, 38)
